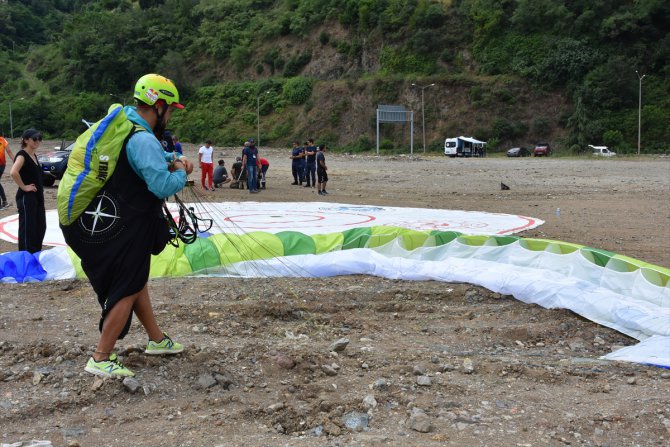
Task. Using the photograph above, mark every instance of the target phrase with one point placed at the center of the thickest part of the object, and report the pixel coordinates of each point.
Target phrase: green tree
(298, 90)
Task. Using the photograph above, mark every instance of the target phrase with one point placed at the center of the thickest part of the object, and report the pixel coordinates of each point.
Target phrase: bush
(478, 95)
(309, 105)
(613, 139)
(343, 47)
(298, 90)
(282, 130)
(363, 144)
(577, 149)
(502, 130)
(295, 65)
(248, 118)
(541, 126)
(493, 144)
(240, 55)
(399, 60)
(386, 144)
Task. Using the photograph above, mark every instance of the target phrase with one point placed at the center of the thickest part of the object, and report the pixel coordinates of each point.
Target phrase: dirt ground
(427, 363)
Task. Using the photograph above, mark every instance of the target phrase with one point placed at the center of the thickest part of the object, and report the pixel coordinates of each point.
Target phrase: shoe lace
(167, 340)
(115, 360)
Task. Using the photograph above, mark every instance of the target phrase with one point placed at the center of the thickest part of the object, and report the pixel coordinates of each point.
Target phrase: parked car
(518, 152)
(54, 163)
(541, 149)
(601, 151)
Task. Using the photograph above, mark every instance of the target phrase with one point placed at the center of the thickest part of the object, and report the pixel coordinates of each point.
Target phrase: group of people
(250, 168)
(308, 166)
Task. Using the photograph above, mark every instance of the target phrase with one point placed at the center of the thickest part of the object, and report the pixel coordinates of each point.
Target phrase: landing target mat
(318, 218)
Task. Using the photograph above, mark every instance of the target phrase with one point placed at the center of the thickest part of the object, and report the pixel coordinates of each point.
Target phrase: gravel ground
(426, 364)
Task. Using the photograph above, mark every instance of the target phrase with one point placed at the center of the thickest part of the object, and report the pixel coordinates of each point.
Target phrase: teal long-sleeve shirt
(148, 159)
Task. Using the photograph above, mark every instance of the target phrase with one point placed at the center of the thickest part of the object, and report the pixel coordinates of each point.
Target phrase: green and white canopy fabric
(622, 293)
(328, 239)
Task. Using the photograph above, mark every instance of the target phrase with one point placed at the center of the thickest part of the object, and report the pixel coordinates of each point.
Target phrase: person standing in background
(265, 165)
(310, 164)
(250, 162)
(205, 156)
(321, 169)
(296, 157)
(27, 173)
(177, 145)
(4, 152)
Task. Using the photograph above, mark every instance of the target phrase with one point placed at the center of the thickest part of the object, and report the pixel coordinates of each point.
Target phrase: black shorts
(321, 175)
(119, 266)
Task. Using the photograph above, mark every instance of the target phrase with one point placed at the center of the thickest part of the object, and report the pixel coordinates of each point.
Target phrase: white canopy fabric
(472, 140)
(624, 301)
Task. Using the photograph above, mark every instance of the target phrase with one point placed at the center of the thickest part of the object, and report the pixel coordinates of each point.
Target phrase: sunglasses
(36, 138)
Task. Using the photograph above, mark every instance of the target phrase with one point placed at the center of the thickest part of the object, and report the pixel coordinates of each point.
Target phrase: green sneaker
(108, 368)
(165, 346)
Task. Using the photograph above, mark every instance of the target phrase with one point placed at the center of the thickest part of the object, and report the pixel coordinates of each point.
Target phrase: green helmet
(152, 88)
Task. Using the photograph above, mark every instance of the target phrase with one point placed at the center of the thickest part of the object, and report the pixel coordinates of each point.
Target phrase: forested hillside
(510, 72)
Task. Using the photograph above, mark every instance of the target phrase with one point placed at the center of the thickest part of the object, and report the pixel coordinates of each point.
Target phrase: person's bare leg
(113, 325)
(145, 314)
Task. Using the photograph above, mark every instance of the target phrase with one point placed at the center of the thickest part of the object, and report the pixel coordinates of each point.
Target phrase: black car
(518, 152)
(54, 164)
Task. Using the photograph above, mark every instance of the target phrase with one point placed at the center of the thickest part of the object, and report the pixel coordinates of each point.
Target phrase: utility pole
(258, 118)
(423, 115)
(639, 111)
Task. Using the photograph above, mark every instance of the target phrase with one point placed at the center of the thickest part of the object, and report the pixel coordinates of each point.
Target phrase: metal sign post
(395, 114)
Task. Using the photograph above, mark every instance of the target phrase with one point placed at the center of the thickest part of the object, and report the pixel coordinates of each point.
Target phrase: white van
(451, 147)
(464, 147)
(601, 151)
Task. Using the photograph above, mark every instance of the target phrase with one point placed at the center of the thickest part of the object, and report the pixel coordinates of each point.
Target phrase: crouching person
(221, 175)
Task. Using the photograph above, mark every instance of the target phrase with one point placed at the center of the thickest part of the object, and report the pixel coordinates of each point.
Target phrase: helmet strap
(159, 128)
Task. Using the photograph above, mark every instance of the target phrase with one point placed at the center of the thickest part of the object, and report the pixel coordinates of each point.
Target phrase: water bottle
(558, 212)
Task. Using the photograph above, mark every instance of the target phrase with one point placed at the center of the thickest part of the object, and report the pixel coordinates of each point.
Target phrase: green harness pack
(92, 162)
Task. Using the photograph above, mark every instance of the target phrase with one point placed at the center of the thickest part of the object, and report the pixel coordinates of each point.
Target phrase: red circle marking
(529, 222)
(3, 231)
(365, 219)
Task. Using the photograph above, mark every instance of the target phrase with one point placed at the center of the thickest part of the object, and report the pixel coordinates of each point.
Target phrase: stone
(37, 377)
(369, 402)
(131, 384)
(206, 381)
(468, 366)
(423, 381)
(332, 429)
(381, 385)
(274, 407)
(356, 421)
(419, 370)
(328, 370)
(339, 345)
(97, 383)
(283, 361)
(419, 421)
(225, 380)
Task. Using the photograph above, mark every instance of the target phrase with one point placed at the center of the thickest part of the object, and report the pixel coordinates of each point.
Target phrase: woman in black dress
(27, 174)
